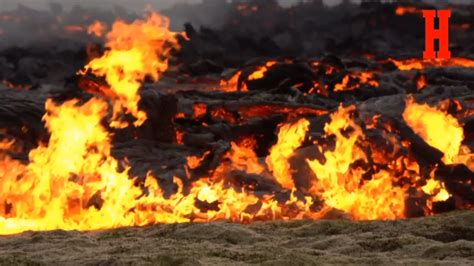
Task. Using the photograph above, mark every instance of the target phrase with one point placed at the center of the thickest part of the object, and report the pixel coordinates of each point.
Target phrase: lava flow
(366, 168)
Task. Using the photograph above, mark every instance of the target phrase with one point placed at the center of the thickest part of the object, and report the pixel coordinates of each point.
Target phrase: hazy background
(135, 5)
(138, 5)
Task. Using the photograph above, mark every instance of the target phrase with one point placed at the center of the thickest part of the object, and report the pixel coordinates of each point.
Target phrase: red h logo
(442, 34)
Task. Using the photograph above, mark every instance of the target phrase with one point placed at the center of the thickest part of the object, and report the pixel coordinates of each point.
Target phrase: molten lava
(260, 72)
(232, 84)
(421, 82)
(410, 64)
(403, 10)
(360, 78)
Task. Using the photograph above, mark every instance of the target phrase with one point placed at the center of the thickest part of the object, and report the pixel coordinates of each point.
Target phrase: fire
(403, 10)
(410, 64)
(194, 161)
(434, 126)
(74, 28)
(343, 187)
(436, 188)
(73, 182)
(136, 51)
(199, 110)
(67, 178)
(97, 28)
(421, 82)
(290, 138)
(179, 137)
(6, 144)
(231, 85)
(260, 72)
(245, 159)
(361, 77)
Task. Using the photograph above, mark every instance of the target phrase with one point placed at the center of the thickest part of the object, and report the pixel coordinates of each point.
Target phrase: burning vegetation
(278, 138)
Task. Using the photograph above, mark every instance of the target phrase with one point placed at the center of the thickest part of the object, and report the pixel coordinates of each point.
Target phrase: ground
(442, 240)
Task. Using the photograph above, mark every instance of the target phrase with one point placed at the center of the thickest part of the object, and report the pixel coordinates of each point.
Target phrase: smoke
(41, 12)
(138, 6)
(131, 6)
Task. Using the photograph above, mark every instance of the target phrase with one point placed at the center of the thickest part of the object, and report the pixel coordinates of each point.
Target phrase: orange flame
(97, 28)
(421, 82)
(434, 126)
(361, 77)
(231, 85)
(245, 159)
(68, 177)
(411, 64)
(137, 50)
(290, 138)
(436, 188)
(260, 72)
(403, 10)
(73, 183)
(344, 188)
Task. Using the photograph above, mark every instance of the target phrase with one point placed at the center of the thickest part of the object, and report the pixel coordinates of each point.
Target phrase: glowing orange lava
(260, 72)
(410, 64)
(403, 10)
(360, 77)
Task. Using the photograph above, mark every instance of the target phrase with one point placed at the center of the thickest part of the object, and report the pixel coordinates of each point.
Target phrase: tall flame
(136, 50)
(343, 187)
(290, 138)
(72, 182)
(66, 179)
